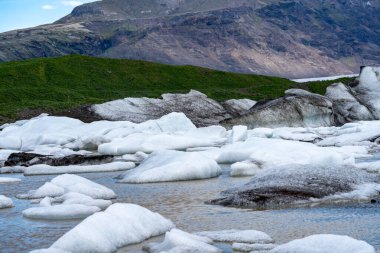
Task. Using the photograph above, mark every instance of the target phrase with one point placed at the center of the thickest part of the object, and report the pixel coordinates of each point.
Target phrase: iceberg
(70, 183)
(6, 180)
(298, 185)
(60, 212)
(325, 243)
(237, 236)
(180, 241)
(43, 169)
(163, 166)
(118, 226)
(5, 202)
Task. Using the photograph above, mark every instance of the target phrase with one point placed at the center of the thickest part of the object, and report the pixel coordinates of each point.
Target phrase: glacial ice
(325, 243)
(269, 152)
(70, 183)
(252, 247)
(5, 202)
(119, 225)
(162, 166)
(293, 185)
(148, 143)
(180, 241)
(237, 236)
(245, 168)
(43, 169)
(60, 212)
(5, 180)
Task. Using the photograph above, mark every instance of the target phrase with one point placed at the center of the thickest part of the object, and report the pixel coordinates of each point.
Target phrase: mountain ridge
(293, 39)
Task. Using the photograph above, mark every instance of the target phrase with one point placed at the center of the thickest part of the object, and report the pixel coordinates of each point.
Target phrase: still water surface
(183, 203)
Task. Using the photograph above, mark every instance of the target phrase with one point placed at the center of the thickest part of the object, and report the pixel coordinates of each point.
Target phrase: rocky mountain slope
(287, 38)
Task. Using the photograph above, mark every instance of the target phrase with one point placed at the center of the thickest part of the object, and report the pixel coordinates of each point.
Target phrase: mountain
(285, 38)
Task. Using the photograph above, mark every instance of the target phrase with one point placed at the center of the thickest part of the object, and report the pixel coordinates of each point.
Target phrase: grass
(56, 84)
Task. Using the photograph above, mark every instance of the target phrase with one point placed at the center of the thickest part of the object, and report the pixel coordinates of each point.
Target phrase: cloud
(72, 3)
(48, 7)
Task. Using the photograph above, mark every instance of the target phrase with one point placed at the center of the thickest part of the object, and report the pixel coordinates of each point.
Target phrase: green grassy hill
(56, 84)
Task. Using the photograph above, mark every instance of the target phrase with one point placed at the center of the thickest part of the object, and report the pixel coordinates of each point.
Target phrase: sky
(16, 14)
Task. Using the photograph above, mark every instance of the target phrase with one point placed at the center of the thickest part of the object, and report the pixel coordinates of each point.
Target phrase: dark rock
(29, 159)
(20, 159)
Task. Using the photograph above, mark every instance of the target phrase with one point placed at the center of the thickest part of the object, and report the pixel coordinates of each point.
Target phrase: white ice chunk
(43, 169)
(119, 225)
(70, 183)
(49, 251)
(239, 133)
(256, 247)
(370, 166)
(74, 183)
(241, 236)
(78, 198)
(245, 168)
(60, 212)
(45, 202)
(325, 243)
(180, 241)
(5, 202)
(162, 166)
(148, 143)
(46, 190)
(5, 180)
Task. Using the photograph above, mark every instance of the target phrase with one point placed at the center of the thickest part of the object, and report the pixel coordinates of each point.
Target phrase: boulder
(298, 108)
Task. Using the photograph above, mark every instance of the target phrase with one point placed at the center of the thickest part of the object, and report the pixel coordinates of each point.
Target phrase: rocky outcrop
(296, 185)
(202, 110)
(298, 108)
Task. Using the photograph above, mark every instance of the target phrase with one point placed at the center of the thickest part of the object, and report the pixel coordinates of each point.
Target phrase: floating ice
(180, 241)
(43, 169)
(60, 212)
(370, 166)
(163, 166)
(245, 168)
(239, 133)
(70, 183)
(255, 247)
(5, 180)
(353, 134)
(240, 236)
(325, 243)
(78, 198)
(5, 202)
(148, 143)
(119, 225)
(269, 152)
(74, 134)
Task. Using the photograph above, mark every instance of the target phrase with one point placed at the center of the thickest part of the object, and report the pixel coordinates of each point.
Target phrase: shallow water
(183, 203)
